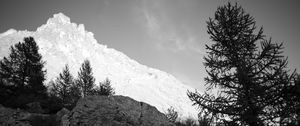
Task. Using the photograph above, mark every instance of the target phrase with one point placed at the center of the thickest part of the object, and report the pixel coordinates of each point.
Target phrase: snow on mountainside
(62, 42)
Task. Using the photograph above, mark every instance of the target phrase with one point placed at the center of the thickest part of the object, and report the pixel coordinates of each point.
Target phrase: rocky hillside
(91, 111)
(114, 111)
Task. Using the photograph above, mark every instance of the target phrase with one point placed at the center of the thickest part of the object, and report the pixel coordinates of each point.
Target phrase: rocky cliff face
(114, 111)
(63, 42)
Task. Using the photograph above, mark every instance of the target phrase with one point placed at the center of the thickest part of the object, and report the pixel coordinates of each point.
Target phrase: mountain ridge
(63, 42)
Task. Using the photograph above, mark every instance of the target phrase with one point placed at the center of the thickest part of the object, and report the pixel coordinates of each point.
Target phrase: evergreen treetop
(62, 84)
(104, 88)
(85, 79)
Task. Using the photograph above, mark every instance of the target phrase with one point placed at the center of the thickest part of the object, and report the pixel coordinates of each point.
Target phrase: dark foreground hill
(91, 111)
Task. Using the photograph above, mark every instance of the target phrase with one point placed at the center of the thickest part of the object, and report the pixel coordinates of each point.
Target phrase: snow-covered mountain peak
(59, 18)
(61, 24)
(62, 42)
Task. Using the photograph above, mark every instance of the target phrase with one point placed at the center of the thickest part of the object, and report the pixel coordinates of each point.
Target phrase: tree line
(22, 76)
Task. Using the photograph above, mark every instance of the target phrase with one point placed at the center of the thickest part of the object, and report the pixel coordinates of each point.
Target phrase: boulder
(114, 111)
(60, 114)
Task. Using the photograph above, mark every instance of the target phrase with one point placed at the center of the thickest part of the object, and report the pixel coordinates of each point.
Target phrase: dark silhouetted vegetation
(22, 75)
(85, 80)
(187, 122)
(171, 114)
(205, 120)
(291, 109)
(104, 88)
(249, 72)
(65, 89)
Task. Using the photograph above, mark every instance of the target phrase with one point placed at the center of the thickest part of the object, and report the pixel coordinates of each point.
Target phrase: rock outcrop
(91, 111)
(12, 117)
(60, 114)
(17, 117)
(114, 111)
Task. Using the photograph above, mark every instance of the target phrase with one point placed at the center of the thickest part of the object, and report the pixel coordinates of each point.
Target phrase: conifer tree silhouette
(85, 80)
(248, 70)
(22, 72)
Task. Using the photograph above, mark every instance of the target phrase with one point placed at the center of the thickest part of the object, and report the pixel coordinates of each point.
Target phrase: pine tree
(104, 88)
(249, 78)
(85, 80)
(171, 114)
(35, 67)
(62, 86)
(22, 71)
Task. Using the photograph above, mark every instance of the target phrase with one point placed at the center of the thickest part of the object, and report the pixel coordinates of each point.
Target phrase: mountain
(62, 42)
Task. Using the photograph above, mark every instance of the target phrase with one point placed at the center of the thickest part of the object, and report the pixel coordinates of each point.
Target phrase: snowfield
(62, 42)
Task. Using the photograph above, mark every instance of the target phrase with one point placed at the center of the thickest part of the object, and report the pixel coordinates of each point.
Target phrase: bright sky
(166, 34)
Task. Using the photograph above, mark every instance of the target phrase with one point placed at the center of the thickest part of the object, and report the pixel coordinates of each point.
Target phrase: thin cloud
(166, 36)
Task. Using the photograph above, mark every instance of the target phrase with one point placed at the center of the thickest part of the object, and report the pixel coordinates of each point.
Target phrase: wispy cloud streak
(168, 36)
